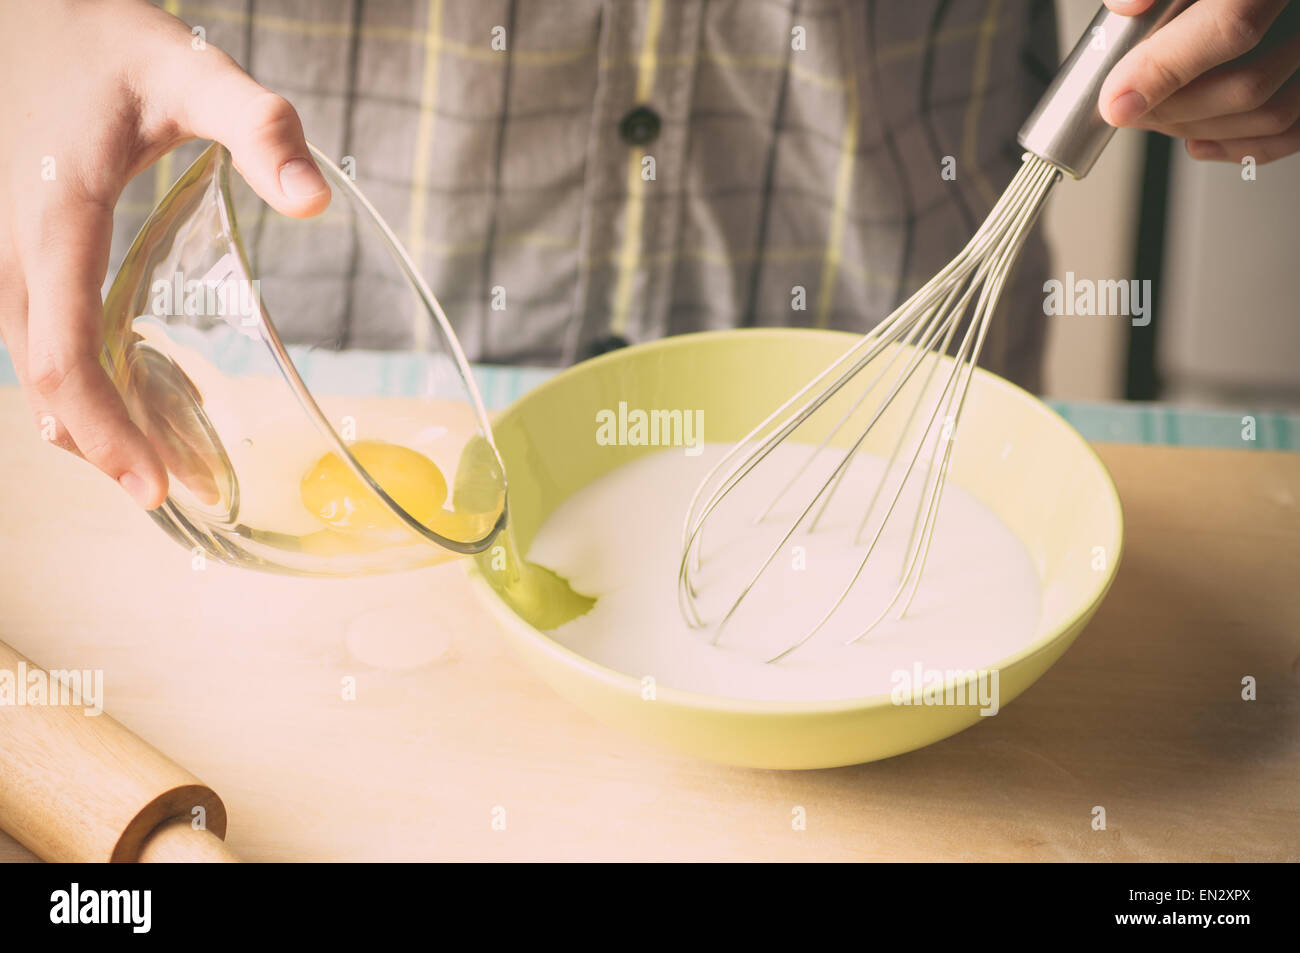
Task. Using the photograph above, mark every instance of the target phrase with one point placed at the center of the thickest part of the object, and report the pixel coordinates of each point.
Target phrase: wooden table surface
(237, 675)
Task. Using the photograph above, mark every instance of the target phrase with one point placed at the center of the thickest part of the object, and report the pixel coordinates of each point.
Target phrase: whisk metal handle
(1066, 127)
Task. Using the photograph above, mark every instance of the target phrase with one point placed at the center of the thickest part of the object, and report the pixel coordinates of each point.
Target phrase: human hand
(1222, 75)
(103, 88)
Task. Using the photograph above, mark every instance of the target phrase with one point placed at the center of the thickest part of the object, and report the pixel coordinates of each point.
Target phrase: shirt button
(639, 126)
(602, 345)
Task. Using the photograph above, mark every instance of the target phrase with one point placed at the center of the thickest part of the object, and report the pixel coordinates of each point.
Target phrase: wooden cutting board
(238, 676)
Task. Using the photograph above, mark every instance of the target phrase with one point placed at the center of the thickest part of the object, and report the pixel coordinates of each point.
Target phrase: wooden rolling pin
(81, 787)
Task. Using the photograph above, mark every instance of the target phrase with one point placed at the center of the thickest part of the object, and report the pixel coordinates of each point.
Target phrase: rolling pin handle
(177, 841)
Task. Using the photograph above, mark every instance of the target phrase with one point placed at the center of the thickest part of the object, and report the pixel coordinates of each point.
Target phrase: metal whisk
(1065, 133)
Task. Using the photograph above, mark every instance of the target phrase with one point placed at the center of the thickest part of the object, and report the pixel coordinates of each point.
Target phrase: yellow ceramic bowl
(1014, 454)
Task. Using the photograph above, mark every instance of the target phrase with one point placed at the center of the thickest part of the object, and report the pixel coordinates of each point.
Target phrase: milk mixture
(619, 539)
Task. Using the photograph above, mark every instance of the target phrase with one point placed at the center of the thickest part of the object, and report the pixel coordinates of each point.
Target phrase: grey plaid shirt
(796, 144)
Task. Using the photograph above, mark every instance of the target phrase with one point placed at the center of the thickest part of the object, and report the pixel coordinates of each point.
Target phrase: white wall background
(1231, 333)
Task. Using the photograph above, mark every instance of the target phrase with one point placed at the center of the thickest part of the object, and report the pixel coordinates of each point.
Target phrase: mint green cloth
(1114, 422)
(1167, 425)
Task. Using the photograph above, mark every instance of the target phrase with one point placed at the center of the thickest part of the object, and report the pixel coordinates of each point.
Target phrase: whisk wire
(915, 558)
(921, 328)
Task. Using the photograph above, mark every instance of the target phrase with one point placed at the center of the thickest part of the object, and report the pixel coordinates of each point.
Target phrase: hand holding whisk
(918, 412)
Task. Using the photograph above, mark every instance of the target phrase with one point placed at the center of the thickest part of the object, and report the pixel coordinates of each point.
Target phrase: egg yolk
(338, 496)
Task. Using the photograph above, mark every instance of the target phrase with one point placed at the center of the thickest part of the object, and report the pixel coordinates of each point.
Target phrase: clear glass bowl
(347, 436)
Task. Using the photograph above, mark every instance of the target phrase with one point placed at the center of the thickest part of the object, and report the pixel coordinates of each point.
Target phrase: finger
(1205, 35)
(63, 245)
(13, 329)
(217, 100)
(1129, 8)
(1271, 119)
(182, 458)
(1263, 149)
(1240, 86)
(167, 416)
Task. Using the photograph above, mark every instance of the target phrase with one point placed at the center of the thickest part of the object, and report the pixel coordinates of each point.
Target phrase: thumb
(219, 101)
(1128, 8)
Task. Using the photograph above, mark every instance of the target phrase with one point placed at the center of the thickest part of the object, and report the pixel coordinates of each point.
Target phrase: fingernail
(299, 179)
(1127, 107)
(136, 487)
(1206, 149)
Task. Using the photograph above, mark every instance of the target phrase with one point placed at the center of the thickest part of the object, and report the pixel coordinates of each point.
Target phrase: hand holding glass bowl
(349, 438)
